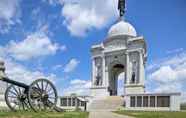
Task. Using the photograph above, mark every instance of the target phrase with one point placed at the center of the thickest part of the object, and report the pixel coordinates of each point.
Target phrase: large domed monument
(124, 51)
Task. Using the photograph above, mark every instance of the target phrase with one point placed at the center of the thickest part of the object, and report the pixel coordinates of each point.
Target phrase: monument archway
(115, 70)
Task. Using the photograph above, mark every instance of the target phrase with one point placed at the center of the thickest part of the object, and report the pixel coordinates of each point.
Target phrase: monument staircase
(110, 103)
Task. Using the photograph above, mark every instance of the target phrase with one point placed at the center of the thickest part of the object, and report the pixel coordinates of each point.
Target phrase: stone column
(148, 101)
(106, 77)
(71, 101)
(135, 101)
(93, 71)
(156, 98)
(106, 73)
(76, 103)
(103, 71)
(142, 101)
(67, 101)
(127, 68)
(141, 68)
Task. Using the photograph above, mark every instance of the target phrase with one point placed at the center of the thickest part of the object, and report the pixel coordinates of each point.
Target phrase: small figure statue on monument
(121, 7)
(98, 76)
(134, 68)
(98, 80)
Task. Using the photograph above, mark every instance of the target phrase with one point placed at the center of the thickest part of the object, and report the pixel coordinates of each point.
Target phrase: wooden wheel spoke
(19, 91)
(19, 105)
(49, 90)
(15, 90)
(42, 86)
(22, 104)
(38, 86)
(37, 91)
(46, 86)
(51, 98)
(13, 93)
(26, 104)
(51, 93)
(12, 96)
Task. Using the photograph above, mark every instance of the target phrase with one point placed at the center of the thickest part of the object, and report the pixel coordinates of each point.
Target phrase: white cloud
(79, 87)
(169, 74)
(168, 79)
(82, 16)
(178, 50)
(167, 88)
(51, 2)
(18, 72)
(178, 59)
(78, 81)
(57, 67)
(35, 45)
(72, 64)
(63, 48)
(9, 14)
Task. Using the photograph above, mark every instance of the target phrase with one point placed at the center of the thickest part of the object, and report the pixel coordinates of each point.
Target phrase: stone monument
(122, 51)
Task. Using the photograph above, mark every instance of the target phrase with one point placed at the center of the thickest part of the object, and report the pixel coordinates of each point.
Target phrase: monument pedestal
(134, 89)
(99, 92)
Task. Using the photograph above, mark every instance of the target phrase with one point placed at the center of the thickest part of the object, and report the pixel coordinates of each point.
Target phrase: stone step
(109, 103)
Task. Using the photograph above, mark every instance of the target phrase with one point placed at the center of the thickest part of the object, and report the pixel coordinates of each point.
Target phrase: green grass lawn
(139, 114)
(43, 114)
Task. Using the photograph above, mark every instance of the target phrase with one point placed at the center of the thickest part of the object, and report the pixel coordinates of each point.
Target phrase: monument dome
(122, 28)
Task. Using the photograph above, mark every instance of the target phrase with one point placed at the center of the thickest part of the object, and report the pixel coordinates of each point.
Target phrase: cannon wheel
(16, 98)
(42, 95)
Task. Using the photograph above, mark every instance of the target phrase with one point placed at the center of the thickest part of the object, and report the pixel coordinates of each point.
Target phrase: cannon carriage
(40, 95)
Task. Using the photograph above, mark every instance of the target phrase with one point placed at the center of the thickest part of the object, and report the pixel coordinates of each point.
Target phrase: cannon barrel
(4, 78)
(15, 83)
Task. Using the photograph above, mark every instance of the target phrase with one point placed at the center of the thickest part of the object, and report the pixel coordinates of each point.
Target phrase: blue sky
(52, 38)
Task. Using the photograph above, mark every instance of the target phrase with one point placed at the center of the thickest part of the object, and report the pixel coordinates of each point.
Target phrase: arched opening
(121, 81)
(116, 80)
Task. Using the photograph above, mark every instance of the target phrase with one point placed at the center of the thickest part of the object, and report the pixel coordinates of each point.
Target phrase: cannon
(40, 95)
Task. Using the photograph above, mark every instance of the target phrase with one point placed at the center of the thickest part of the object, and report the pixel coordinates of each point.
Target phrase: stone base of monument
(134, 89)
(110, 103)
(99, 92)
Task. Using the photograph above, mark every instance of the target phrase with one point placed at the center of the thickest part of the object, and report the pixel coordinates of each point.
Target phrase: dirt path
(106, 114)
